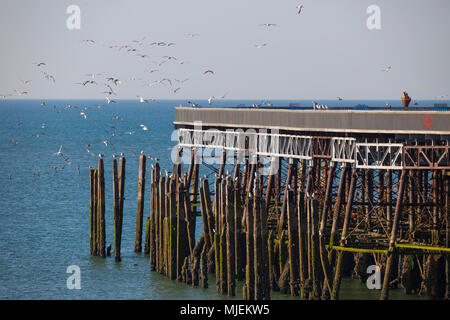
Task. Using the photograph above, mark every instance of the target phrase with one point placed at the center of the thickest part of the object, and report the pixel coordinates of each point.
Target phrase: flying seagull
(260, 45)
(109, 100)
(208, 71)
(387, 69)
(142, 100)
(299, 8)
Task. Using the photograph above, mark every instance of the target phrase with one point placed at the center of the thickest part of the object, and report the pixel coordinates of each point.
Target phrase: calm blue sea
(44, 213)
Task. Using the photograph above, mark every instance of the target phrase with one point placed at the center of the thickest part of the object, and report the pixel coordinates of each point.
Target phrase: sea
(44, 197)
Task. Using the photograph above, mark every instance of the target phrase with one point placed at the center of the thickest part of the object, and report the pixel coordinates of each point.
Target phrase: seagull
(339, 98)
(210, 99)
(193, 104)
(208, 71)
(83, 114)
(59, 153)
(16, 124)
(175, 91)
(191, 35)
(109, 100)
(140, 42)
(48, 76)
(25, 82)
(84, 83)
(37, 135)
(14, 141)
(258, 46)
(20, 93)
(268, 25)
(88, 41)
(223, 96)
(144, 127)
(387, 69)
(142, 100)
(299, 8)
(39, 64)
(106, 142)
(114, 80)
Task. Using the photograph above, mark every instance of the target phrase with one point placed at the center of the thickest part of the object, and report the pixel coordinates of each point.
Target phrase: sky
(324, 52)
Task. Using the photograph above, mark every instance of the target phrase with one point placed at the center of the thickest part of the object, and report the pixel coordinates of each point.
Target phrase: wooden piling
(323, 256)
(121, 192)
(101, 209)
(302, 244)
(230, 239)
(339, 261)
(204, 268)
(140, 204)
(249, 270)
(292, 222)
(116, 211)
(392, 251)
(91, 212)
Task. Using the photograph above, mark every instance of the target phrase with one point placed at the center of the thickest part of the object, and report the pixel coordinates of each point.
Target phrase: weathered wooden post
(325, 210)
(392, 250)
(302, 243)
(161, 194)
(116, 211)
(101, 208)
(230, 238)
(223, 283)
(348, 210)
(204, 268)
(249, 288)
(140, 204)
(121, 192)
(91, 212)
(292, 222)
(147, 238)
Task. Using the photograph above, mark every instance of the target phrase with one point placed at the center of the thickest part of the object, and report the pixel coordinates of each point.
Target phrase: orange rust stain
(428, 121)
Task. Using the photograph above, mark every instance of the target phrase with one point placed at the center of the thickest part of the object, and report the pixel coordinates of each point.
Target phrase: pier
(299, 199)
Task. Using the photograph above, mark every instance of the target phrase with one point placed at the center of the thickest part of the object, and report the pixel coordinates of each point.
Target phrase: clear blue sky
(324, 52)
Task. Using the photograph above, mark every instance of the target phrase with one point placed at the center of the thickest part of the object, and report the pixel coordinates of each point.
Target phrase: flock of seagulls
(111, 85)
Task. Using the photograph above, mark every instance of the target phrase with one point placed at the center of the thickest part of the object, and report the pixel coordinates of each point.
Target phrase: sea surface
(44, 200)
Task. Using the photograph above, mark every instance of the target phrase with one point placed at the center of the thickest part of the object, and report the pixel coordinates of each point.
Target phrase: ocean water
(44, 213)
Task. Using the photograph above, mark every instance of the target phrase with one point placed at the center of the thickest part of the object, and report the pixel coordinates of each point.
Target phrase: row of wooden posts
(277, 247)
